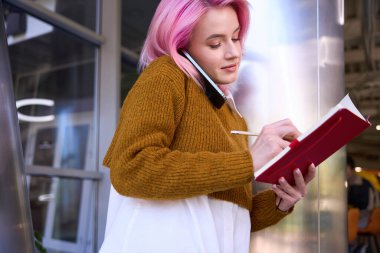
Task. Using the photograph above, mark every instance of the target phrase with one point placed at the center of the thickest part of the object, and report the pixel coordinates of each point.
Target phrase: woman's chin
(226, 81)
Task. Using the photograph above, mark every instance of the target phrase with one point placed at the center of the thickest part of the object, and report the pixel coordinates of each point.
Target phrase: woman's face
(215, 44)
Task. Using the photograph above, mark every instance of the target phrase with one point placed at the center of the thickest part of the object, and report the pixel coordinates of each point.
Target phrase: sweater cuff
(278, 212)
(265, 212)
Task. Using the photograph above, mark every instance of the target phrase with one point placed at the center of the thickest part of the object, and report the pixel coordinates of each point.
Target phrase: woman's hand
(287, 195)
(272, 140)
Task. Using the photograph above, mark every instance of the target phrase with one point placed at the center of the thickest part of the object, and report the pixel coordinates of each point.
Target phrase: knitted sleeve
(141, 163)
(264, 211)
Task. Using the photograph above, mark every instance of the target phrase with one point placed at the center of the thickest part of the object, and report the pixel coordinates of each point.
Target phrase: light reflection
(46, 197)
(358, 169)
(330, 51)
(340, 10)
(34, 101)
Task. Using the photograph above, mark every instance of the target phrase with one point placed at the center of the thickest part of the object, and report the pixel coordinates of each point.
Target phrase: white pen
(244, 133)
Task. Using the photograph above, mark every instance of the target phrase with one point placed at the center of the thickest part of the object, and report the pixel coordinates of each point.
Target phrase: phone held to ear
(212, 91)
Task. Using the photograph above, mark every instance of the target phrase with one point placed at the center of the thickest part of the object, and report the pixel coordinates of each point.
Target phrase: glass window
(57, 68)
(80, 11)
(133, 36)
(129, 76)
(67, 212)
(54, 85)
(44, 146)
(133, 33)
(60, 213)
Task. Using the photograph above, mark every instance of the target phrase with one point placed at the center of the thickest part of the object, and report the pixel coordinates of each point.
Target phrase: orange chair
(352, 222)
(372, 230)
(373, 226)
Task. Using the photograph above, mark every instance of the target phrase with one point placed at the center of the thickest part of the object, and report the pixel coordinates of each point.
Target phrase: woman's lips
(230, 68)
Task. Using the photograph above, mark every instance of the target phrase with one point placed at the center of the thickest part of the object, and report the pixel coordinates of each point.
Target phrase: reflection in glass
(74, 147)
(68, 197)
(50, 64)
(55, 205)
(129, 76)
(39, 186)
(133, 33)
(43, 68)
(45, 146)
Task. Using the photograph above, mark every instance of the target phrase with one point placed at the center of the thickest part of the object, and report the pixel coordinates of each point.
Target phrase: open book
(339, 126)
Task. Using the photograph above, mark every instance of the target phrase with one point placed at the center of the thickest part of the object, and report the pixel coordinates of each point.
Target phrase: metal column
(293, 68)
(16, 233)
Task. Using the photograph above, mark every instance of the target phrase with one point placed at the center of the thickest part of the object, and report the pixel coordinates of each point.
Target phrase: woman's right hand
(272, 139)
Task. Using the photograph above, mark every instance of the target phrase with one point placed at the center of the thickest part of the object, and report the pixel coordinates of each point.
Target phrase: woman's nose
(233, 50)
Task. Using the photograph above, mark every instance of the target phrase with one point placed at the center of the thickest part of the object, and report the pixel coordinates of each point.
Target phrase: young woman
(183, 182)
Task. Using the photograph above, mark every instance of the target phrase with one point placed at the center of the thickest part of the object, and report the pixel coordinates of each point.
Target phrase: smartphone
(212, 91)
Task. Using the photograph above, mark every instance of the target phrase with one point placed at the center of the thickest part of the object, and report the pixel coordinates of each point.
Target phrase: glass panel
(129, 76)
(74, 147)
(68, 198)
(40, 195)
(80, 11)
(133, 33)
(54, 87)
(58, 68)
(58, 213)
(45, 146)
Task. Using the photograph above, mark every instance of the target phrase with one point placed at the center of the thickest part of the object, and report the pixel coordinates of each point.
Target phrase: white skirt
(200, 224)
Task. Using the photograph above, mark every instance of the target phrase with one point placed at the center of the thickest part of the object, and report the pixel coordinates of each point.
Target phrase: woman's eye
(215, 46)
(235, 40)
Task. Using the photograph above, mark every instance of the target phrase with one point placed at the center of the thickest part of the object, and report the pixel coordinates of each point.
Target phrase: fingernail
(298, 171)
(282, 179)
(274, 186)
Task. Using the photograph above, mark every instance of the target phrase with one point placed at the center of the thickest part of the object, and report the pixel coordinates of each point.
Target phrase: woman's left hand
(287, 195)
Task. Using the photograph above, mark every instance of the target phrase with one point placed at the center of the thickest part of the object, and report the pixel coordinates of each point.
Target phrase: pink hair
(171, 28)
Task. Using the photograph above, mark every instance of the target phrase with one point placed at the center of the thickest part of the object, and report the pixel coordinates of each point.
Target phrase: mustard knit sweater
(172, 143)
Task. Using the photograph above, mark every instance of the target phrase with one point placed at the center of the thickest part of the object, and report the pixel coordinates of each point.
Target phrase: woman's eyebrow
(217, 35)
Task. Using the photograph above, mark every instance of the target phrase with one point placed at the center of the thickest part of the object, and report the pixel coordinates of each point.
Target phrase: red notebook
(339, 126)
